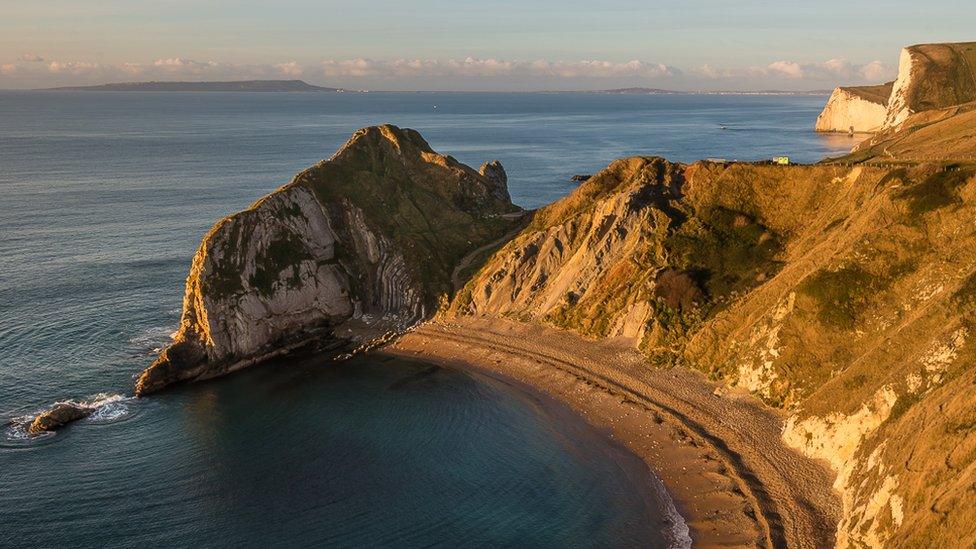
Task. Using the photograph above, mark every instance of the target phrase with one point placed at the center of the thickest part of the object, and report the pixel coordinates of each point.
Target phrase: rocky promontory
(354, 247)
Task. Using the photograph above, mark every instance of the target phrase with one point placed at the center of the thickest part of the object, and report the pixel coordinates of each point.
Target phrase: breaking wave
(102, 407)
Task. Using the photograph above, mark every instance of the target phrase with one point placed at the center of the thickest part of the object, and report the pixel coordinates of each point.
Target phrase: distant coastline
(229, 86)
(302, 86)
(658, 91)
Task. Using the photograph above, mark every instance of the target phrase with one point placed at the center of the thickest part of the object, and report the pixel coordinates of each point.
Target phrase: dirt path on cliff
(465, 262)
(720, 457)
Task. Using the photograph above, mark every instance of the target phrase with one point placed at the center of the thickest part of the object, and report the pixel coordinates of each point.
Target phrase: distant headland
(658, 91)
(302, 86)
(231, 86)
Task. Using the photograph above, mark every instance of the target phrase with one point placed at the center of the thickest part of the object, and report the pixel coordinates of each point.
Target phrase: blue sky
(469, 45)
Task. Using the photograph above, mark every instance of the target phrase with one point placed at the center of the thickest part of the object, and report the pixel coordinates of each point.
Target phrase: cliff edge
(356, 246)
(860, 109)
(932, 76)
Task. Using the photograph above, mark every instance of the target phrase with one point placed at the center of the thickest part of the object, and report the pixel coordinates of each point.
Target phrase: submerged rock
(354, 247)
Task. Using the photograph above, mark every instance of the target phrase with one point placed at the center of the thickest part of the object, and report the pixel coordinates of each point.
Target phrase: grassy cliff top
(939, 136)
(944, 75)
(875, 94)
(435, 208)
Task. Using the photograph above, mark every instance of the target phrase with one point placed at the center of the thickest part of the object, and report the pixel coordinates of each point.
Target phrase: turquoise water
(105, 198)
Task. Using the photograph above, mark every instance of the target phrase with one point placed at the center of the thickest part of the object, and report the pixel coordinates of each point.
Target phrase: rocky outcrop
(839, 293)
(102, 406)
(494, 172)
(356, 246)
(57, 416)
(859, 109)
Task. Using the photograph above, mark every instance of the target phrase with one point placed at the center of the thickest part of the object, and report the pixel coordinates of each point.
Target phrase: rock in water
(363, 243)
(58, 415)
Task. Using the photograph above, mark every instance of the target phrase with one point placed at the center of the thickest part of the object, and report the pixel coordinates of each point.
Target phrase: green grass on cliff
(421, 201)
(285, 251)
(728, 250)
(225, 280)
(936, 191)
(840, 295)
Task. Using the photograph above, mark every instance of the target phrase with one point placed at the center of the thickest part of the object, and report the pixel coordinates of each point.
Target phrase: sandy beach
(717, 452)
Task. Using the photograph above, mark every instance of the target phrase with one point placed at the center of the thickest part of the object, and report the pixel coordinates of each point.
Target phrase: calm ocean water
(105, 198)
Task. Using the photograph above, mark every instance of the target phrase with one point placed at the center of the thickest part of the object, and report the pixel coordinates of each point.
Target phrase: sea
(103, 200)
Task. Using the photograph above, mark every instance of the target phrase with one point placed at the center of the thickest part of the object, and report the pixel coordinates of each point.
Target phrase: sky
(468, 45)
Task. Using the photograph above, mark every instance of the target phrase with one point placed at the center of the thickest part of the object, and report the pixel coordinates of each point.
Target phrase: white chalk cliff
(930, 77)
(859, 109)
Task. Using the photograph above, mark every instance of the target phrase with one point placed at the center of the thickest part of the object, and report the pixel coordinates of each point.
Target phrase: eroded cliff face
(932, 76)
(841, 294)
(859, 109)
(354, 247)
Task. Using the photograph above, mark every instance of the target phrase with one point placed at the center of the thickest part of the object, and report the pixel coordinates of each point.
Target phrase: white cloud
(839, 71)
(72, 67)
(181, 67)
(290, 68)
(878, 71)
(475, 67)
(134, 69)
(469, 72)
(789, 69)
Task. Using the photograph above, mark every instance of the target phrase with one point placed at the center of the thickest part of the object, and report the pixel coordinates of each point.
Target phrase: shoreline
(719, 458)
(671, 524)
